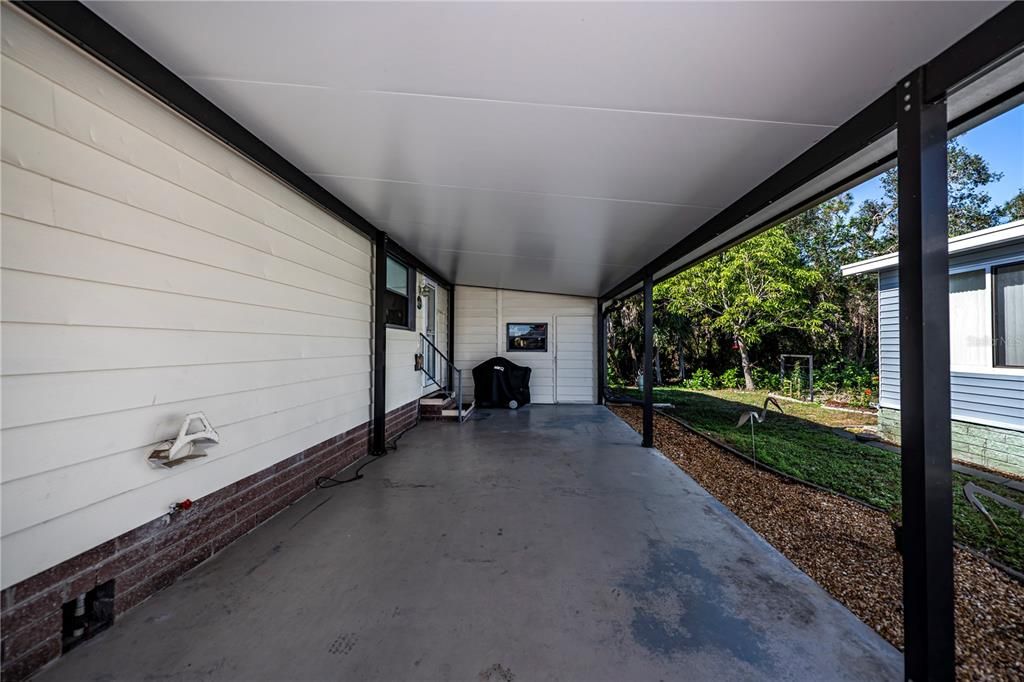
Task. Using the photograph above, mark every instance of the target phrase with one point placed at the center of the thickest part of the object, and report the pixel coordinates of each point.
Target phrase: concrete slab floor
(531, 545)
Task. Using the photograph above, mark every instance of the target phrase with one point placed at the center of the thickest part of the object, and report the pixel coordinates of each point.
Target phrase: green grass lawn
(801, 444)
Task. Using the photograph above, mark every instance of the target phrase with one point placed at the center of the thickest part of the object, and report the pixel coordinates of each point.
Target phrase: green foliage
(845, 374)
(970, 207)
(758, 287)
(755, 288)
(701, 380)
(767, 379)
(797, 381)
(1014, 208)
(848, 382)
(731, 378)
(783, 292)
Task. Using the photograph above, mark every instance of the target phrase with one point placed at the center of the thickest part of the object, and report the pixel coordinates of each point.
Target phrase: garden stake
(753, 444)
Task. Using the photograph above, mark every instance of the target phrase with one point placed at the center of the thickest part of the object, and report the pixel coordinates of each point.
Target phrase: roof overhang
(999, 235)
(562, 147)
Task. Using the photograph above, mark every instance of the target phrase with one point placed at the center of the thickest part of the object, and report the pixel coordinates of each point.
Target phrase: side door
(574, 359)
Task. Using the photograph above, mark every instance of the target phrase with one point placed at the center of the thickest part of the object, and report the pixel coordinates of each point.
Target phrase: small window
(527, 337)
(1008, 315)
(401, 281)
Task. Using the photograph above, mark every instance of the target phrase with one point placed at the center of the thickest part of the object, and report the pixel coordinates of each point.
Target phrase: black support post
(451, 337)
(380, 344)
(924, 385)
(648, 435)
(602, 352)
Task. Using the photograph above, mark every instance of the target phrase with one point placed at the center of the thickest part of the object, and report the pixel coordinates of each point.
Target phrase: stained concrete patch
(681, 607)
(497, 673)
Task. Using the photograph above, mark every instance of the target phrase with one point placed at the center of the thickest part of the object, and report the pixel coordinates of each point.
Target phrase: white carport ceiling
(548, 147)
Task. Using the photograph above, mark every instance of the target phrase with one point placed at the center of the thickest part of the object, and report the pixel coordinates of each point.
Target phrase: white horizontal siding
(574, 363)
(404, 381)
(480, 333)
(149, 271)
(476, 324)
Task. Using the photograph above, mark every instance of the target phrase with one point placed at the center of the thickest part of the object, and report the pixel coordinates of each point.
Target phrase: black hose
(390, 446)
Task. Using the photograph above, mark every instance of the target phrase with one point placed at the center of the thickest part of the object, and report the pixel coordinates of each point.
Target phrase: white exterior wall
(480, 318)
(149, 271)
(404, 382)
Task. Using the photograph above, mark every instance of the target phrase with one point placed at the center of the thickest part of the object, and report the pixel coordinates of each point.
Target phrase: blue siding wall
(979, 397)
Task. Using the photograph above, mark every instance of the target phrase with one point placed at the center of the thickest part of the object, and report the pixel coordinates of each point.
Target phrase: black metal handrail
(450, 370)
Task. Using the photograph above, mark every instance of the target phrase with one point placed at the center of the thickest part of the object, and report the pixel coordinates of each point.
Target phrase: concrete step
(453, 413)
(442, 407)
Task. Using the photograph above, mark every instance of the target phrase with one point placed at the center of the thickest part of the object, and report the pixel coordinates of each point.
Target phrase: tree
(827, 238)
(970, 207)
(1014, 208)
(756, 288)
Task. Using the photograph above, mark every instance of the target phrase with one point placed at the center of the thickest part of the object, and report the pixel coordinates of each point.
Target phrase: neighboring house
(986, 318)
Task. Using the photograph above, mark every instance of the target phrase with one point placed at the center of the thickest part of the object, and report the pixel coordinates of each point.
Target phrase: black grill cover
(497, 382)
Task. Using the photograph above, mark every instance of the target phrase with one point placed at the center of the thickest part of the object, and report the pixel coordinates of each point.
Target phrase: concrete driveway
(531, 545)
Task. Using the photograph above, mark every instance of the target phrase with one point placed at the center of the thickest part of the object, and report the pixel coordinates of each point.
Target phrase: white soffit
(541, 146)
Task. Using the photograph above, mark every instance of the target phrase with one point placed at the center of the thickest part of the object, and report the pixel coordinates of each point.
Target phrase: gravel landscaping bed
(849, 550)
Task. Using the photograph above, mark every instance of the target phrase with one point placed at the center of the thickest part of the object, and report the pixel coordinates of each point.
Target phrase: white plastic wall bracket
(184, 447)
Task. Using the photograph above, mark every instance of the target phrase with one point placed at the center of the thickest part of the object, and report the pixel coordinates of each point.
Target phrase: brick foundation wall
(400, 419)
(989, 446)
(151, 557)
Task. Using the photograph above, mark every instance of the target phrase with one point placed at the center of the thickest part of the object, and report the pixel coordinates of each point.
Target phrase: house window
(527, 337)
(398, 295)
(1008, 315)
(969, 342)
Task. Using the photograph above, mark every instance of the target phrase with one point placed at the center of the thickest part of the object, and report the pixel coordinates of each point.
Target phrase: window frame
(508, 337)
(994, 275)
(409, 296)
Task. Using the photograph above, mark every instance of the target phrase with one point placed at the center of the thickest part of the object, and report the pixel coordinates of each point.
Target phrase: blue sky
(1000, 141)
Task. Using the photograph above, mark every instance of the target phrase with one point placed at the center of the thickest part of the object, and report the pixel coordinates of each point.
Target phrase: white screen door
(574, 359)
(429, 297)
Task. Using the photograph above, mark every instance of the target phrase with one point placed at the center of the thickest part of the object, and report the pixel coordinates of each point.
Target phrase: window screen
(1008, 315)
(527, 336)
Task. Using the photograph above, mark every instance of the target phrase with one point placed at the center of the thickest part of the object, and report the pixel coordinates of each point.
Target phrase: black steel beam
(998, 39)
(380, 342)
(924, 385)
(648, 432)
(396, 250)
(451, 337)
(602, 352)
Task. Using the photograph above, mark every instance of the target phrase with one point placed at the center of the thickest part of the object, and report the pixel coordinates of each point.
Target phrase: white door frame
(429, 322)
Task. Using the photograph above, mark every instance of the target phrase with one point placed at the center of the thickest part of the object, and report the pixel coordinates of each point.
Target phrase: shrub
(701, 380)
(731, 378)
(766, 379)
(848, 382)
